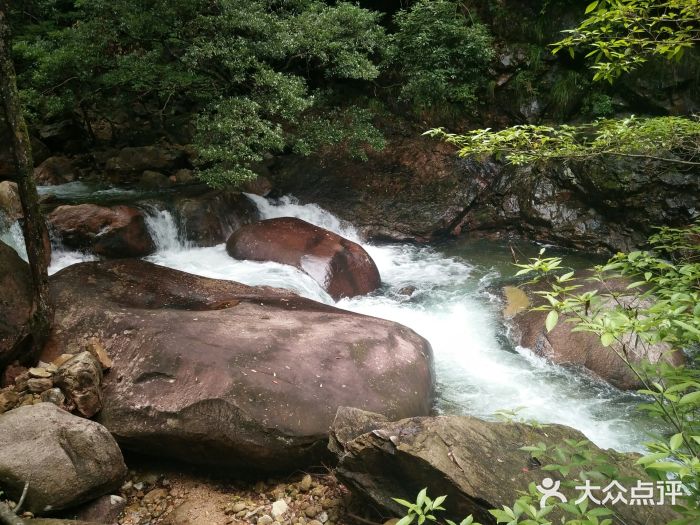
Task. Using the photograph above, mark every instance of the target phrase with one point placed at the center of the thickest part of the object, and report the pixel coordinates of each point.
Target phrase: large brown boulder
(566, 347)
(15, 304)
(117, 231)
(343, 268)
(222, 374)
(55, 170)
(478, 465)
(209, 218)
(67, 460)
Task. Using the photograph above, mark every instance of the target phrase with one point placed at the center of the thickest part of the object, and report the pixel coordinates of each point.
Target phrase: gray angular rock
(66, 459)
(478, 465)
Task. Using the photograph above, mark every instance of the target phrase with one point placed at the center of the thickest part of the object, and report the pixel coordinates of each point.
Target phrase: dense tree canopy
(241, 79)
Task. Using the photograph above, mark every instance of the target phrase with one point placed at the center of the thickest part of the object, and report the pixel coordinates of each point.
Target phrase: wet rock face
(221, 374)
(477, 464)
(604, 206)
(67, 460)
(418, 189)
(55, 170)
(413, 190)
(15, 304)
(209, 218)
(136, 160)
(564, 346)
(343, 268)
(117, 231)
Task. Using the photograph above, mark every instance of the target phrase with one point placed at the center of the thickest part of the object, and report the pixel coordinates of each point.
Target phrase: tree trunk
(33, 226)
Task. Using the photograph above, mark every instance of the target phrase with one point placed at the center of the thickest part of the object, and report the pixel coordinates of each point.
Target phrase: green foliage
(249, 72)
(566, 92)
(673, 139)
(620, 35)
(660, 305)
(423, 509)
(441, 54)
(348, 128)
(598, 105)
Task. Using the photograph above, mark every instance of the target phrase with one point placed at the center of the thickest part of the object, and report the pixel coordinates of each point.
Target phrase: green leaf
(406, 520)
(591, 6)
(676, 441)
(438, 501)
(693, 397)
(552, 320)
(421, 497)
(665, 466)
(607, 339)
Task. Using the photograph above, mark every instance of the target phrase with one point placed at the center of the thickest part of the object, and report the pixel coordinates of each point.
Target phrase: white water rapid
(477, 370)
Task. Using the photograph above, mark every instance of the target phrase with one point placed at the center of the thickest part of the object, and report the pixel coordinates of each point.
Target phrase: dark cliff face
(418, 189)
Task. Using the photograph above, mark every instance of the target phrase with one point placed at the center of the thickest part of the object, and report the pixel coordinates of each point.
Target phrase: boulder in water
(55, 170)
(67, 460)
(15, 304)
(209, 218)
(564, 346)
(343, 268)
(222, 374)
(115, 232)
(478, 465)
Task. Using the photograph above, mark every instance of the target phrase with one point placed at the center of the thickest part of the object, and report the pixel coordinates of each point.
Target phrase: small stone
(318, 491)
(314, 522)
(21, 382)
(238, 507)
(312, 511)
(53, 395)
(80, 378)
(8, 400)
(155, 495)
(407, 291)
(323, 517)
(39, 372)
(279, 508)
(26, 400)
(265, 520)
(62, 359)
(36, 385)
(305, 483)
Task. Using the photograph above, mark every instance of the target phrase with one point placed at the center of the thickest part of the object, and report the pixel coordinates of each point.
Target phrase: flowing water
(478, 369)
